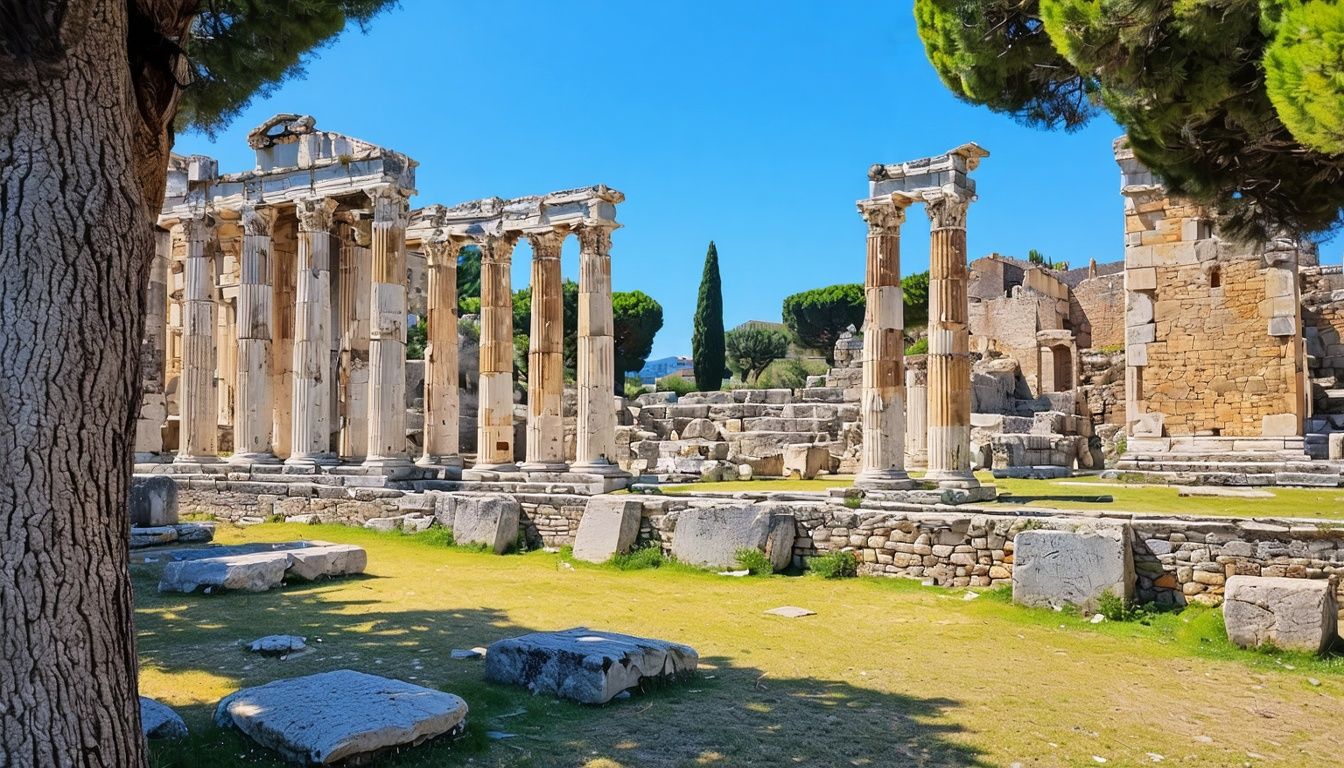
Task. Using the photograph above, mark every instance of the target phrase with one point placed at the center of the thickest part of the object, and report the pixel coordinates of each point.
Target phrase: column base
(543, 466)
(443, 467)
(885, 480)
(308, 463)
(500, 468)
(186, 458)
(248, 459)
(602, 467)
(952, 478)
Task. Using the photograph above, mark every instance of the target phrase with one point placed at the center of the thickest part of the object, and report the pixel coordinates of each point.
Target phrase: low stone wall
(1177, 560)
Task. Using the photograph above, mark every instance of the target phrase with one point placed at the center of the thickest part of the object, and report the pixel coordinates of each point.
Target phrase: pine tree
(707, 353)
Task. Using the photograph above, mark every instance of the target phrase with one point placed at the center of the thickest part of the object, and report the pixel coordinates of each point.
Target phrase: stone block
(1141, 334)
(804, 462)
(153, 537)
(1141, 279)
(711, 536)
(160, 721)
(255, 572)
(153, 501)
(1279, 425)
(765, 466)
(609, 526)
(587, 666)
(1293, 614)
(1148, 425)
(700, 429)
(1056, 568)
(334, 717)
(490, 520)
(326, 561)
(1283, 325)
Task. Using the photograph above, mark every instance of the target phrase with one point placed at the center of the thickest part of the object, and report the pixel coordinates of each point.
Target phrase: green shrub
(919, 346)
(835, 565)
(675, 383)
(633, 387)
(755, 561)
(1117, 608)
(853, 502)
(436, 536)
(650, 556)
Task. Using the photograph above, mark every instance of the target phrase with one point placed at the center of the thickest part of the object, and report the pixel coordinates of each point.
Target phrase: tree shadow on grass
(727, 715)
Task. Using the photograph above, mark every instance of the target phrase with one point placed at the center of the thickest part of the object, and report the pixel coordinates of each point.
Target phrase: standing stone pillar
(949, 411)
(311, 408)
(387, 331)
(546, 358)
(441, 395)
(153, 369)
(883, 398)
(596, 443)
(197, 396)
(916, 417)
(353, 289)
(494, 422)
(252, 408)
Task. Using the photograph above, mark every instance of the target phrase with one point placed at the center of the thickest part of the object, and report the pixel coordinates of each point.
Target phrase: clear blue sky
(749, 123)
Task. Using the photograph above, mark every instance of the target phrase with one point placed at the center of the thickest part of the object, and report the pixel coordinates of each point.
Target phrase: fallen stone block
(344, 715)
(804, 461)
(1292, 614)
(195, 533)
(153, 501)
(277, 645)
(153, 537)
(710, 537)
(587, 666)
(255, 572)
(790, 612)
(1057, 568)
(326, 561)
(700, 429)
(490, 520)
(160, 721)
(609, 526)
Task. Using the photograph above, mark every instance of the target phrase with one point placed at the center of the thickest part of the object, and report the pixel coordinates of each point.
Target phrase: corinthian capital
(547, 245)
(258, 220)
(441, 248)
(199, 227)
(497, 248)
(389, 203)
(595, 240)
(947, 211)
(884, 217)
(315, 214)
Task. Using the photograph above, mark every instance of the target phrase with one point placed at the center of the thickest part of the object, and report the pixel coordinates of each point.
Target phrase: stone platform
(258, 569)
(925, 495)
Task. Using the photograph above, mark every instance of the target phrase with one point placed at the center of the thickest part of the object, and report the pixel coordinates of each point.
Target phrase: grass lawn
(888, 673)
(1325, 504)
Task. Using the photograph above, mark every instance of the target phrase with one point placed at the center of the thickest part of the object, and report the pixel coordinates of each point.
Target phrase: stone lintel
(947, 174)
(536, 214)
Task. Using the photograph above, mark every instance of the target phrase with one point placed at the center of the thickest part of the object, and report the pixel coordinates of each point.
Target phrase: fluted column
(387, 331)
(883, 394)
(916, 418)
(197, 395)
(596, 444)
(441, 395)
(311, 406)
(949, 411)
(494, 422)
(353, 318)
(546, 358)
(252, 407)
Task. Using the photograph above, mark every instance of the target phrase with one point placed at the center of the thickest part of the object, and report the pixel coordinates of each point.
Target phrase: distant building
(665, 366)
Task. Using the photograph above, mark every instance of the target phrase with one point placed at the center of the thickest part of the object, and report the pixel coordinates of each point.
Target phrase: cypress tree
(707, 351)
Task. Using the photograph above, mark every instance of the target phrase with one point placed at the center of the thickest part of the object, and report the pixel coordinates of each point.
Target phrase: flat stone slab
(1057, 568)
(1293, 614)
(790, 612)
(160, 721)
(326, 561)
(343, 715)
(609, 526)
(587, 666)
(277, 645)
(710, 537)
(259, 569)
(1225, 491)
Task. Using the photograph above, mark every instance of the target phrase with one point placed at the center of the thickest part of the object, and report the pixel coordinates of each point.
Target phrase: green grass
(1323, 504)
(887, 673)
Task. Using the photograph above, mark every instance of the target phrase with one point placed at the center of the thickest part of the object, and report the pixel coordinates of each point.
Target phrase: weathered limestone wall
(1097, 312)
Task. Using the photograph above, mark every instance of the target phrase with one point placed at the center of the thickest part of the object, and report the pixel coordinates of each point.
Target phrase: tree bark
(87, 94)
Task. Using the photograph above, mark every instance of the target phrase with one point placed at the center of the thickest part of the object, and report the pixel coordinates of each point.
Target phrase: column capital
(258, 219)
(595, 239)
(315, 214)
(884, 217)
(441, 248)
(948, 211)
(199, 226)
(497, 247)
(547, 245)
(389, 202)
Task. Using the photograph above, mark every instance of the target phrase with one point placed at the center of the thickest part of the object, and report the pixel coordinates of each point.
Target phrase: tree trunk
(85, 100)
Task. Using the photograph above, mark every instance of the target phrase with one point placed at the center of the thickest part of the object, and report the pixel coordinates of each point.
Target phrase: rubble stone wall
(1097, 312)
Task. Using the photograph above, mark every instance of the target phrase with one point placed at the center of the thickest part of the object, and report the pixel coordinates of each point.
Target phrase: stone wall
(1097, 312)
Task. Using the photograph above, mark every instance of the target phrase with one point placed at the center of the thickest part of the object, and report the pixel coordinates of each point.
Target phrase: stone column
(153, 369)
(353, 367)
(441, 395)
(387, 331)
(198, 431)
(252, 408)
(494, 422)
(949, 411)
(596, 443)
(883, 394)
(311, 408)
(916, 418)
(546, 358)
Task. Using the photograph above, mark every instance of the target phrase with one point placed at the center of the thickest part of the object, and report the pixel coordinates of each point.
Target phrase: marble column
(596, 444)
(883, 393)
(916, 418)
(153, 368)
(353, 289)
(311, 406)
(546, 358)
(252, 442)
(197, 395)
(949, 411)
(494, 422)
(387, 331)
(441, 394)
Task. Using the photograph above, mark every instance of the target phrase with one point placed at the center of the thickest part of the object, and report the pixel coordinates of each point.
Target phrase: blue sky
(744, 122)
